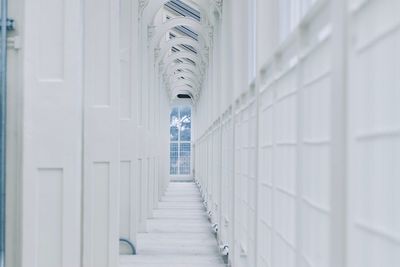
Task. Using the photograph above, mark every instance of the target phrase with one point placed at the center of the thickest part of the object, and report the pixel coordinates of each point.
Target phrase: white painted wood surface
(298, 167)
(51, 126)
(179, 234)
(101, 135)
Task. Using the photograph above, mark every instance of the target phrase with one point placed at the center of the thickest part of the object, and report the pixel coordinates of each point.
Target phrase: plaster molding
(211, 36)
(167, 45)
(151, 29)
(206, 55)
(142, 5)
(161, 29)
(172, 68)
(187, 77)
(157, 52)
(219, 5)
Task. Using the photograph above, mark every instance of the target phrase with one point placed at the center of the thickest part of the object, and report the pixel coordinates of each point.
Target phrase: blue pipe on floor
(130, 244)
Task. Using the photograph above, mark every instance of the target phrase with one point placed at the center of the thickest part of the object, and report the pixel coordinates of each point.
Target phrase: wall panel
(373, 134)
(100, 208)
(127, 196)
(49, 217)
(51, 40)
(49, 97)
(101, 144)
(226, 224)
(328, 136)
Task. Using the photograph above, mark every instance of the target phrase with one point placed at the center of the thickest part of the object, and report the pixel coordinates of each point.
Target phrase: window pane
(184, 158)
(174, 133)
(174, 113)
(174, 124)
(186, 123)
(186, 112)
(173, 167)
(185, 134)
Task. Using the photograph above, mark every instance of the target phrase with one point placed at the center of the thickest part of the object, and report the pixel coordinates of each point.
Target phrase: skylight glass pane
(189, 48)
(186, 31)
(190, 61)
(180, 8)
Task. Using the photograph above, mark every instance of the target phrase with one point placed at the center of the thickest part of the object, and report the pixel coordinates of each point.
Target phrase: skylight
(186, 31)
(180, 8)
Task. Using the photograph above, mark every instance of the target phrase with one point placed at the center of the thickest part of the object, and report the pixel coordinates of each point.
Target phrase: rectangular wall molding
(49, 222)
(51, 40)
(100, 208)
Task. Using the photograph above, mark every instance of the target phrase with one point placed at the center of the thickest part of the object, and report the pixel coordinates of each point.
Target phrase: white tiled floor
(179, 235)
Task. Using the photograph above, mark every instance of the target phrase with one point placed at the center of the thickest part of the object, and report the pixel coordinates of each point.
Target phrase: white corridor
(179, 234)
(284, 113)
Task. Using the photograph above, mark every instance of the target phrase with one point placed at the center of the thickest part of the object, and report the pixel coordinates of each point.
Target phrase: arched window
(180, 140)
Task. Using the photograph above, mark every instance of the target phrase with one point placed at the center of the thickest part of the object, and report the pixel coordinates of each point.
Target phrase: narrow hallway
(179, 234)
(199, 133)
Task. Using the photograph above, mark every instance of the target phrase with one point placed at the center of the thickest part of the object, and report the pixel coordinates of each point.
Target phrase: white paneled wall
(310, 176)
(294, 150)
(297, 167)
(51, 123)
(373, 133)
(227, 180)
(245, 181)
(101, 170)
(89, 160)
(129, 165)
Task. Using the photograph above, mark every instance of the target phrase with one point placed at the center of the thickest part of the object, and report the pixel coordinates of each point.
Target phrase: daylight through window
(180, 140)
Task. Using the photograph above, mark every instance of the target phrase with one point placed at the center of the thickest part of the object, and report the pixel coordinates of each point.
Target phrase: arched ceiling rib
(166, 46)
(183, 55)
(180, 35)
(186, 77)
(182, 66)
(161, 30)
(173, 71)
(153, 6)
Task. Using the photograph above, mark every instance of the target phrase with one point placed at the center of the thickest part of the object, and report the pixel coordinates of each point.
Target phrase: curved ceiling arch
(167, 68)
(153, 6)
(165, 46)
(185, 67)
(161, 29)
(187, 77)
(191, 83)
(174, 76)
(181, 55)
(173, 71)
(184, 74)
(181, 58)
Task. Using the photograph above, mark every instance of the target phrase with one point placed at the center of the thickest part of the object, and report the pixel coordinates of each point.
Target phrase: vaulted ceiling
(180, 37)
